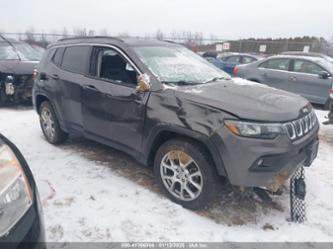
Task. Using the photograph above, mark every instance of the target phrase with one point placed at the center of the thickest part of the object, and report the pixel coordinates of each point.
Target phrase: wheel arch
(39, 99)
(254, 80)
(166, 133)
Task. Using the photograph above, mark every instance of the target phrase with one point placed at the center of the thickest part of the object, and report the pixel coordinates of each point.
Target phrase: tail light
(35, 74)
(236, 71)
(331, 92)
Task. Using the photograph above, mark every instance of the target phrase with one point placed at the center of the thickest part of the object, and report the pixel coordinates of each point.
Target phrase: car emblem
(305, 110)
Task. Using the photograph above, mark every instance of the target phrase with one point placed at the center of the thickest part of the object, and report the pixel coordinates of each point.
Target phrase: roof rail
(89, 37)
(170, 41)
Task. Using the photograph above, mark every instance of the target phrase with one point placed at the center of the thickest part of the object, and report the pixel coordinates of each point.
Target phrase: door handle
(91, 87)
(264, 74)
(54, 76)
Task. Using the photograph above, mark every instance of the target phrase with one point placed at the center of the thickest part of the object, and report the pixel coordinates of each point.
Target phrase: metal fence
(201, 44)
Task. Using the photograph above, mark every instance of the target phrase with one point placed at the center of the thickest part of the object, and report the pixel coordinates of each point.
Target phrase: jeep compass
(171, 109)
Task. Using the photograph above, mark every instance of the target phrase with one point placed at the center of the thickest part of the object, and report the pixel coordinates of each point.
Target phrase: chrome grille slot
(300, 127)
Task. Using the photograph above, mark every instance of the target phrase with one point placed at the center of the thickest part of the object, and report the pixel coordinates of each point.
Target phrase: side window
(276, 64)
(247, 59)
(75, 59)
(111, 65)
(233, 59)
(301, 66)
(57, 56)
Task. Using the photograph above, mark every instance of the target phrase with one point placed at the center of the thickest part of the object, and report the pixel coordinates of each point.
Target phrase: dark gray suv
(171, 109)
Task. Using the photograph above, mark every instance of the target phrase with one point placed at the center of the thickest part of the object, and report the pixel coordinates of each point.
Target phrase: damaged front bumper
(18, 87)
(264, 163)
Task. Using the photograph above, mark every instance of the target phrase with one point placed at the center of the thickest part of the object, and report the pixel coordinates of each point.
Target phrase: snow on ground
(93, 193)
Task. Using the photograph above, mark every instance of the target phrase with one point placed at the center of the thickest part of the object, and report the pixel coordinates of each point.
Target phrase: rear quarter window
(76, 59)
(57, 56)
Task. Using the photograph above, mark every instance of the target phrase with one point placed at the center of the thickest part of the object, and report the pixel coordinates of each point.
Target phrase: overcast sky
(224, 18)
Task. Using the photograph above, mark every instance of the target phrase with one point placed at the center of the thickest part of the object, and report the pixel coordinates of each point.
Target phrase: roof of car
(109, 39)
(303, 53)
(315, 59)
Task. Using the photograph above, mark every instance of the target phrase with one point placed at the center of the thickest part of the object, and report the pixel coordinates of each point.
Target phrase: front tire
(50, 124)
(185, 173)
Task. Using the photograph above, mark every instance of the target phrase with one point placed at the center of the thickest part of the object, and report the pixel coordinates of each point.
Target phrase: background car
(319, 55)
(309, 77)
(17, 63)
(21, 218)
(227, 62)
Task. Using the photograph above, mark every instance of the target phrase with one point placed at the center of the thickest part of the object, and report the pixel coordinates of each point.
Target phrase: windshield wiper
(181, 82)
(216, 79)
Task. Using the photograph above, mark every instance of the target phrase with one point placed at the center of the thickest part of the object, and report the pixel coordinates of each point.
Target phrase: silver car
(309, 77)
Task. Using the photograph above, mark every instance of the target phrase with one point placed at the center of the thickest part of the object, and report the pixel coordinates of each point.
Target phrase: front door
(275, 73)
(306, 81)
(113, 112)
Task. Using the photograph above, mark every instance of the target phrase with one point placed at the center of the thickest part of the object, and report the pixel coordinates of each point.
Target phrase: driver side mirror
(143, 84)
(324, 75)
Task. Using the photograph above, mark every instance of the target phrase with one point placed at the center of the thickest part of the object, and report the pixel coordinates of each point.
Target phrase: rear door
(75, 64)
(305, 81)
(275, 73)
(113, 112)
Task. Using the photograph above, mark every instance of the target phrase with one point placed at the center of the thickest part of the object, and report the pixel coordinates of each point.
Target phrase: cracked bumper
(265, 163)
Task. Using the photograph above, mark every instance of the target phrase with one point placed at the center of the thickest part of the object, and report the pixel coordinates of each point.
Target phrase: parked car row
(227, 62)
(306, 74)
(17, 63)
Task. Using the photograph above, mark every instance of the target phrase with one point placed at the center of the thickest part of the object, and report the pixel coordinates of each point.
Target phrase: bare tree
(30, 34)
(80, 32)
(64, 32)
(104, 32)
(123, 35)
(91, 32)
(159, 35)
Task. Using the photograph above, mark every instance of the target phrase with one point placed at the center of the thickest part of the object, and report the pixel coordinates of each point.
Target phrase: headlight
(15, 191)
(255, 130)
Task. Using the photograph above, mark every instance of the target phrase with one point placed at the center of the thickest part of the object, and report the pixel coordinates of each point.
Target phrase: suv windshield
(21, 51)
(177, 64)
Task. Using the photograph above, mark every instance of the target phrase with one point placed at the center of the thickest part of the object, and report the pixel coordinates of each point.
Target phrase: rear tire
(185, 173)
(50, 124)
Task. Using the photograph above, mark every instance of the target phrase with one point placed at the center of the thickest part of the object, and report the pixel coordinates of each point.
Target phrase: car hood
(246, 100)
(17, 67)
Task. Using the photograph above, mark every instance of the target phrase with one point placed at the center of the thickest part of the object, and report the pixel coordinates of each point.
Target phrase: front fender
(183, 132)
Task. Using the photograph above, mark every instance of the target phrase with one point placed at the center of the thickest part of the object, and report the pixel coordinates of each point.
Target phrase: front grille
(300, 127)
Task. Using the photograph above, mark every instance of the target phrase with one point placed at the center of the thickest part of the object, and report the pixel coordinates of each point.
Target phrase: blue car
(228, 62)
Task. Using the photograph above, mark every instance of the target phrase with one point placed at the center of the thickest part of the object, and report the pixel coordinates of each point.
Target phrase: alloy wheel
(181, 175)
(48, 123)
